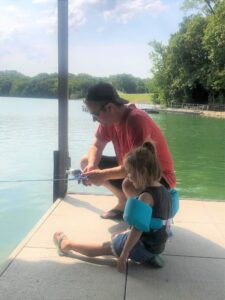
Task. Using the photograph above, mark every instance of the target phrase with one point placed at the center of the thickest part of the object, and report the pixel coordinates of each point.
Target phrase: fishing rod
(74, 175)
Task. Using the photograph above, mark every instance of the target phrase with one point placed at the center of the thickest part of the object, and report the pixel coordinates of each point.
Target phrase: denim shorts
(139, 253)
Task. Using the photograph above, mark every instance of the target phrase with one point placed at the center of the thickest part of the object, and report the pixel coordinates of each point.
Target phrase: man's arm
(98, 177)
(94, 154)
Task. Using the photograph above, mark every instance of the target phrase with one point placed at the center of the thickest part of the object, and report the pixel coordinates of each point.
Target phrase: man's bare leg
(119, 195)
(90, 250)
(116, 191)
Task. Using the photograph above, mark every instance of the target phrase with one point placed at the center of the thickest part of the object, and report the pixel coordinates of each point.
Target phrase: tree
(191, 68)
(124, 82)
(157, 84)
(204, 6)
(214, 43)
(180, 68)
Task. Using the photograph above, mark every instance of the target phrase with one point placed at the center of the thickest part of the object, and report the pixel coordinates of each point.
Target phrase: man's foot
(61, 242)
(113, 214)
(157, 261)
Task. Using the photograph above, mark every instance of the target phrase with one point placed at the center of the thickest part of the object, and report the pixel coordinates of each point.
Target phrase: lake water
(28, 136)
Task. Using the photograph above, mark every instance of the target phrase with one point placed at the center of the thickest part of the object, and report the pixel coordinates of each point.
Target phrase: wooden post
(61, 157)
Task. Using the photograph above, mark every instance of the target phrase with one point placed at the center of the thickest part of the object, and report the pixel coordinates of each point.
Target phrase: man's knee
(83, 162)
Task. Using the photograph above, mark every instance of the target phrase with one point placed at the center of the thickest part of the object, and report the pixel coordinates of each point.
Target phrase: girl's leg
(91, 250)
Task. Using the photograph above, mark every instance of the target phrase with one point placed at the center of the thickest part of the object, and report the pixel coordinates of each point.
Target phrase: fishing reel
(76, 174)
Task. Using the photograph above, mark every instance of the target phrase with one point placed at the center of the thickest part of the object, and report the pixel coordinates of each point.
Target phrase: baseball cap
(104, 92)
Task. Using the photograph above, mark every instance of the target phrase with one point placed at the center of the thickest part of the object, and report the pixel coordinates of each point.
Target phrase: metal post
(61, 157)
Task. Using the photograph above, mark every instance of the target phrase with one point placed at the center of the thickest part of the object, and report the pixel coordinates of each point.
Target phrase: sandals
(58, 242)
(113, 214)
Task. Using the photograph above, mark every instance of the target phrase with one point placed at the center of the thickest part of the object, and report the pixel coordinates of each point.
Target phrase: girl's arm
(133, 237)
(131, 241)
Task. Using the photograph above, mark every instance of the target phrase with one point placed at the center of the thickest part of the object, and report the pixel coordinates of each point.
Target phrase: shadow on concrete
(50, 280)
(84, 204)
(188, 243)
(194, 269)
(101, 261)
(118, 227)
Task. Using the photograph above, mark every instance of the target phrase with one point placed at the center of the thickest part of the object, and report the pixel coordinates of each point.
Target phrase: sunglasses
(95, 115)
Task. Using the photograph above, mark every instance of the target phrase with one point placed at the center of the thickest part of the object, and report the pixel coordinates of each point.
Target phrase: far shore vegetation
(138, 98)
(189, 69)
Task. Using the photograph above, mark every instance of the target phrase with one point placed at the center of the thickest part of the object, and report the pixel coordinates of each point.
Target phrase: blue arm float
(156, 223)
(174, 202)
(138, 214)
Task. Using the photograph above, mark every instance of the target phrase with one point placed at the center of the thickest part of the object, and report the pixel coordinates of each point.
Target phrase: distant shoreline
(214, 114)
(203, 113)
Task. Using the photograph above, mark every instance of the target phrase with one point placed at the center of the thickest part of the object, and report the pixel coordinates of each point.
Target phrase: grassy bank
(137, 98)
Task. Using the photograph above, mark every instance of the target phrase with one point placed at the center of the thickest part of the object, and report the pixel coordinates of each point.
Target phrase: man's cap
(104, 92)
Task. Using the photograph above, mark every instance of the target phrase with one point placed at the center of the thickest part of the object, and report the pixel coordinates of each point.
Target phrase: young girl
(143, 171)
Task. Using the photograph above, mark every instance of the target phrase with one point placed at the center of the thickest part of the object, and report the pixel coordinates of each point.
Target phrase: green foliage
(204, 6)
(191, 67)
(128, 84)
(214, 43)
(45, 85)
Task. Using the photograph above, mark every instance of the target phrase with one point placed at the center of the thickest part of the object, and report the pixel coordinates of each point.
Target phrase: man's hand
(96, 177)
(88, 168)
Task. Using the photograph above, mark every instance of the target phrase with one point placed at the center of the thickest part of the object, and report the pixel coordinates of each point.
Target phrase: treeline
(191, 68)
(15, 84)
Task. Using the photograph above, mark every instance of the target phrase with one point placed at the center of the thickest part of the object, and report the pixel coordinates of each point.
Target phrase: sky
(106, 37)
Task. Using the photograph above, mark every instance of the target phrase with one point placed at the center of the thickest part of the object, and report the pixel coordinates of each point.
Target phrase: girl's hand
(121, 264)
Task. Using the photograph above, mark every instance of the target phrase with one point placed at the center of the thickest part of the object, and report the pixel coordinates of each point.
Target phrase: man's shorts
(111, 162)
(139, 253)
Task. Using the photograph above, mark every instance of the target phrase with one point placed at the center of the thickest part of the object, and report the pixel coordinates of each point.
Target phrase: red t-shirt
(134, 129)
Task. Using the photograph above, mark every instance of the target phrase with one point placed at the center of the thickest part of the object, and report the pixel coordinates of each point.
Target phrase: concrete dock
(194, 257)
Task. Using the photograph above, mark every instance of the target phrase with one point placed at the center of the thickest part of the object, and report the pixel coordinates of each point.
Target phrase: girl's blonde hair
(143, 163)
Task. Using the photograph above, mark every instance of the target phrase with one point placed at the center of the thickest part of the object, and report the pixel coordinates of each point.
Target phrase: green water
(198, 148)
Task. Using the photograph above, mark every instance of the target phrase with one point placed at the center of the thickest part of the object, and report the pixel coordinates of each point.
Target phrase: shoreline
(156, 108)
(213, 114)
(202, 113)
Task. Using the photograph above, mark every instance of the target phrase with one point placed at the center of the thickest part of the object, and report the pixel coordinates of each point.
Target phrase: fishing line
(75, 175)
(35, 180)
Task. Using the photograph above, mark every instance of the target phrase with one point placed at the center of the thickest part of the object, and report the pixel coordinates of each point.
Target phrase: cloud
(123, 11)
(120, 11)
(12, 20)
(15, 18)
(77, 11)
(42, 1)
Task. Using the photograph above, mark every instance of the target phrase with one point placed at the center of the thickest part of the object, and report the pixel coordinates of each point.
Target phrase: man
(127, 127)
